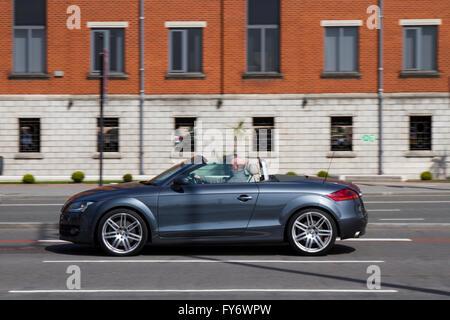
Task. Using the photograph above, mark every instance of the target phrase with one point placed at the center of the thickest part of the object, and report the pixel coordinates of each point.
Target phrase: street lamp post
(103, 90)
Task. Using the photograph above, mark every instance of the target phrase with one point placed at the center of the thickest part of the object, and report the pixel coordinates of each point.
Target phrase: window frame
(177, 125)
(184, 51)
(106, 44)
(105, 126)
(29, 56)
(430, 138)
(36, 149)
(338, 61)
(331, 133)
(269, 128)
(262, 28)
(418, 52)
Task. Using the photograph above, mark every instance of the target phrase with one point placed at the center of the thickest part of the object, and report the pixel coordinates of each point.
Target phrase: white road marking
(23, 223)
(205, 291)
(29, 204)
(383, 210)
(211, 261)
(378, 240)
(412, 201)
(412, 224)
(54, 241)
(412, 219)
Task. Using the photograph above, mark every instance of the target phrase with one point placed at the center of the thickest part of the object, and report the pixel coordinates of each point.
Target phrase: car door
(206, 210)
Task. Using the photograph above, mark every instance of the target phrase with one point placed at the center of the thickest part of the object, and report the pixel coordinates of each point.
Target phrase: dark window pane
(98, 48)
(177, 51)
(331, 49)
(185, 134)
(30, 139)
(38, 50)
(116, 50)
(110, 134)
(410, 48)
(194, 50)
(29, 12)
(263, 134)
(263, 12)
(20, 50)
(420, 133)
(254, 50)
(348, 57)
(429, 48)
(341, 134)
(272, 52)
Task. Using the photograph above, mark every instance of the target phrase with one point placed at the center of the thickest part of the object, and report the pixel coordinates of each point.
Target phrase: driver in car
(238, 174)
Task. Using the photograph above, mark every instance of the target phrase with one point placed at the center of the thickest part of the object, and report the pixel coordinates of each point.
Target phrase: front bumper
(74, 227)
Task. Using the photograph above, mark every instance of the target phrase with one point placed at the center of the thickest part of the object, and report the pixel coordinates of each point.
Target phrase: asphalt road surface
(407, 242)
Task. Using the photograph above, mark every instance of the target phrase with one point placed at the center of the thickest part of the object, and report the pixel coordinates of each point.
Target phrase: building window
(112, 40)
(29, 53)
(185, 134)
(341, 49)
(263, 134)
(420, 133)
(110, 135)
(420, 48)
(263, 36)
(30, 135)
(185, 50)
(341, 133)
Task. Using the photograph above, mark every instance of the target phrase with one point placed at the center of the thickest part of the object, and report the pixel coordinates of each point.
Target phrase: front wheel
(122, 232)
(312, 232)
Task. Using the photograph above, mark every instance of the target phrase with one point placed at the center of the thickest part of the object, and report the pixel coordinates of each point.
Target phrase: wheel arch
(327, 210)
(151, 226)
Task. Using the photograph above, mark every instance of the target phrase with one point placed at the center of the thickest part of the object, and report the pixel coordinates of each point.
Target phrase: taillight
(342, 195)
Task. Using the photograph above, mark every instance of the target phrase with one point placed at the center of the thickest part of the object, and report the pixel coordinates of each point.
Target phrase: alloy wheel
(122, 233)
(312, 232)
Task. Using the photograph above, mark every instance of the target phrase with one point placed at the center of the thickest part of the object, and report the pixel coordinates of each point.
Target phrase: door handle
(244, 198)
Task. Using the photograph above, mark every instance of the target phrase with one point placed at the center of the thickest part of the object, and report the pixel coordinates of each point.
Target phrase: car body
(195, 202)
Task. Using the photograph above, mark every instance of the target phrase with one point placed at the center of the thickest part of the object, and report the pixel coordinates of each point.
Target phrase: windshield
(172, 171)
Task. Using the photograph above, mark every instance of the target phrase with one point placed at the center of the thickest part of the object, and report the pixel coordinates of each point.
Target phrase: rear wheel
(122, 232)
(312, 232)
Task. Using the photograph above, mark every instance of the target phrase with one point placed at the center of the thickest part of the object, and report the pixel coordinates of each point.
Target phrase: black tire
(135, 245)
(311, 232)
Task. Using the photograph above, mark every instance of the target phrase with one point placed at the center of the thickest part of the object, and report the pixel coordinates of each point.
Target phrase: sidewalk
(18, 191)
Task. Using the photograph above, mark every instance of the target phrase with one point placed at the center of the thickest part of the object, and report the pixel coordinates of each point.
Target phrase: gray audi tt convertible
(199, 201)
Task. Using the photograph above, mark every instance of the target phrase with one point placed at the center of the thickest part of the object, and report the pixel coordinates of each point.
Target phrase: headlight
(79, 206)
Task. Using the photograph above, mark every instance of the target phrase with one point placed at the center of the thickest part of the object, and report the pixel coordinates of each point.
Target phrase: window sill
(28, 156)
(262, 75)
(341, 154)
(420, 154)
(107, 155)
(341, 75)
(118, 76)
(186, 76)
(420, 74)
(28, 76)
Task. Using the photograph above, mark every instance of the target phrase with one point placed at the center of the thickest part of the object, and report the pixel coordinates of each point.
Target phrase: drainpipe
(380, 91)
(141, 87)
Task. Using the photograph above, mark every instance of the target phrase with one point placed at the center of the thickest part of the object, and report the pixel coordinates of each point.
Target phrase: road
(408, 239)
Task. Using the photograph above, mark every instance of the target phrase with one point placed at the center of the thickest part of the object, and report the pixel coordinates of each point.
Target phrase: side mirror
(181, 181)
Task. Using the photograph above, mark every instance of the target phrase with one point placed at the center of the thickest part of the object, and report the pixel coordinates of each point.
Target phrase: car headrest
(253, 168)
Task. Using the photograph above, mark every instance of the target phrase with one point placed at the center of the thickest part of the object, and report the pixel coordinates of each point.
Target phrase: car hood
(92, 194)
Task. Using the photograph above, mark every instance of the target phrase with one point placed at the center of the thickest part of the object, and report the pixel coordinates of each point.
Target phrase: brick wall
(302, 40)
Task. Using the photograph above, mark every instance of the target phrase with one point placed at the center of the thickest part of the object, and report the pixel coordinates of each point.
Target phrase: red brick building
(308, 70)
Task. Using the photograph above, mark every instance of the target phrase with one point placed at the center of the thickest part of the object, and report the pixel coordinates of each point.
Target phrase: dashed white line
(405, 219)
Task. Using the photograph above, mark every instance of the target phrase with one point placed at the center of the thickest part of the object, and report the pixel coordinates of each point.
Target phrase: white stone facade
(68, 135)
